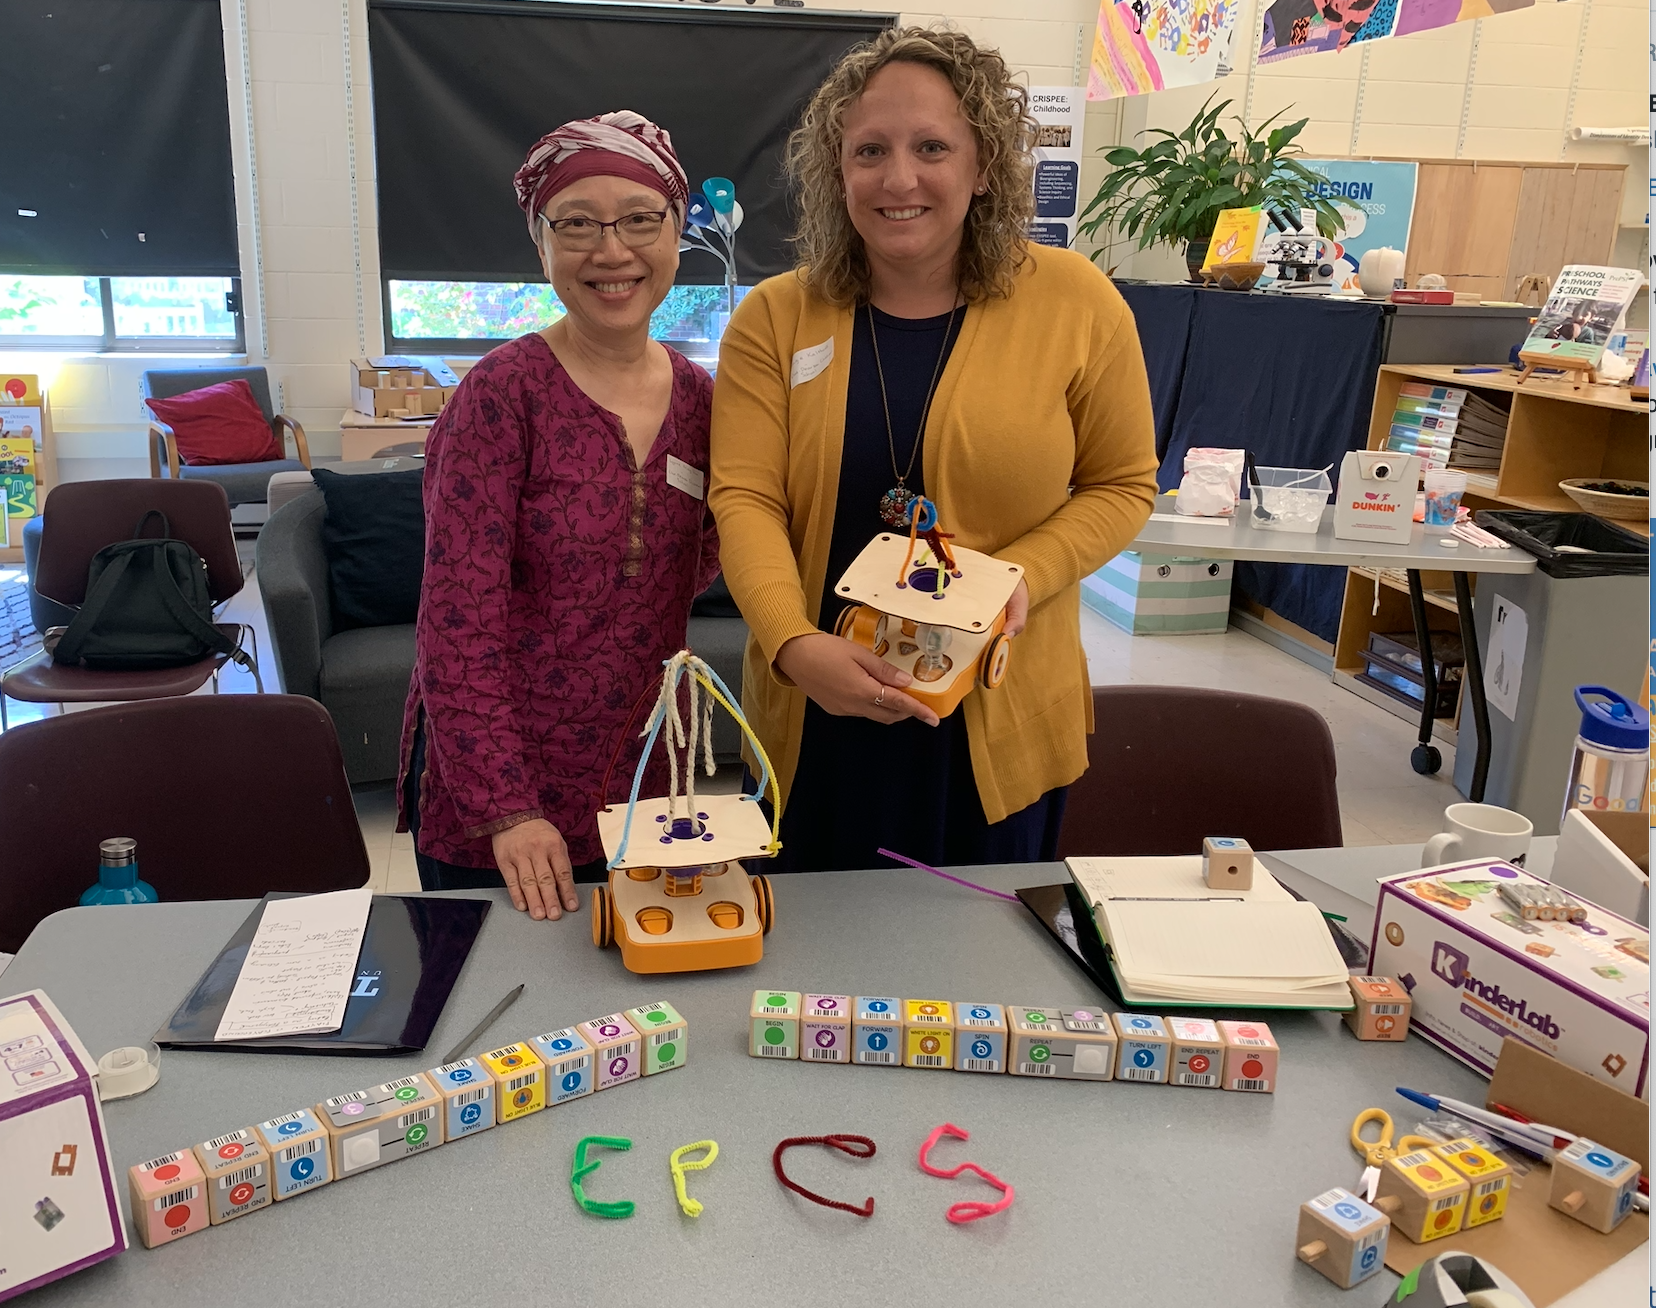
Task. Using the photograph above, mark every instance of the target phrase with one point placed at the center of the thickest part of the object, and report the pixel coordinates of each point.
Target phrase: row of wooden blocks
(243, 1171)
(1069, 1044)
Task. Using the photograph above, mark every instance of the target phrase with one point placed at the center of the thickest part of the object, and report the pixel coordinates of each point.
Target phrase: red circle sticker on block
(1199, 1063)
(1248, 1032)
(240, 1194)
(177, 1216)
(1444, 1218)
(1253, 1069)
(168, 1173)
(1429, 1173)
(232, 1150)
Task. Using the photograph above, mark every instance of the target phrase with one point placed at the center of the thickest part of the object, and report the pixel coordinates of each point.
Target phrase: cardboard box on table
(58, 1210)
(386, 383)
(1477, 973)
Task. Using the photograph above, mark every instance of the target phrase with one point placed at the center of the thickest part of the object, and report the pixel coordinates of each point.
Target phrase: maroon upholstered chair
(173, 774)
(81, 517)
(1168, 765)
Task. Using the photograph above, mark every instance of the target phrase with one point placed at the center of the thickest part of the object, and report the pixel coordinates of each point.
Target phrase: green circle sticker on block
(417, 1133)
(1039, 1053)
(666, 1053)
(777, 1001)
(657, 1017)
(775, 1035)
(408, 1092)
(1035, 1018)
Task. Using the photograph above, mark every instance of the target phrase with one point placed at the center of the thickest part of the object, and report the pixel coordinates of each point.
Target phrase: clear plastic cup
(1443, 496)
(1288, 499)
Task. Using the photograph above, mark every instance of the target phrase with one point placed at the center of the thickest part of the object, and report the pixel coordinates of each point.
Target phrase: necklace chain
(894, 503)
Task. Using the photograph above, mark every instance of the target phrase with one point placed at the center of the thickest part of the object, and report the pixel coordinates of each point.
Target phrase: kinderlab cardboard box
(1479, 973)
(415, 385)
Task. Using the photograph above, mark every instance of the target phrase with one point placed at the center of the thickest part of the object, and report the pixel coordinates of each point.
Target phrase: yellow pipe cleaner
(691, 1207)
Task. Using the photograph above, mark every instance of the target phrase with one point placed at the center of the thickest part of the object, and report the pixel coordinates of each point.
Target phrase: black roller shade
(116, 160)
(462, 90)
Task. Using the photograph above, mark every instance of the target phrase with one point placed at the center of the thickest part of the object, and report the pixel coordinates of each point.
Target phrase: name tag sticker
(687, 477)
(809, 363)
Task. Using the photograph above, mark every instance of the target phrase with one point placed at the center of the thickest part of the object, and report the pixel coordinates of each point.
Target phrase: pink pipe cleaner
(959, 881)
(971, 1210)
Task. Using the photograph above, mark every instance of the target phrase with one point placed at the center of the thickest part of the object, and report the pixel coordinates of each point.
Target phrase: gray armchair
(244, 483)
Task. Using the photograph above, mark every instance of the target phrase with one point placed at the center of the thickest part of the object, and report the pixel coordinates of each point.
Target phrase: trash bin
(1578, 619)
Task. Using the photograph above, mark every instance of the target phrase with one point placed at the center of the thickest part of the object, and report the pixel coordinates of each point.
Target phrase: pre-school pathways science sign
(1060, 114)
(1377, 202)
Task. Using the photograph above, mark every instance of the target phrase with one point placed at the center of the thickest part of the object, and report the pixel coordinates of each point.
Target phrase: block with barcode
(369, 1128)
(568, 1059)
(876, 1031)
(1381, 1009)
(519, 1080)
(1042, 1045)
(1227, 863)
(825, 1029)
(1593, 1184)
(298, 1146)
(237, 1171)
(980, 1037)
(1424, 1197)
(665, 1036)
(169, 1198)
(773, 1024)
(1342, 1237)
(1489, 1177)
(928, 1034)
(1250, 1057)
(614, 1042)
(467, 1090)
(1145, 1052)
(1197, 1052)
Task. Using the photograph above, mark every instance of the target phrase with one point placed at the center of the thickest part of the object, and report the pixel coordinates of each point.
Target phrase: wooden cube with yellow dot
(1424, 1197)
(1489, 1177)
(928, 1033)
(520, 1081)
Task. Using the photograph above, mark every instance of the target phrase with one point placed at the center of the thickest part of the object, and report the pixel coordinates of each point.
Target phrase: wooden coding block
(928, 1033)
(1227, 863)
(1145, 1051)
(1250, 1057)
(237, 1171)
(298, 1147)
(1488, 1176)
(1197, 1055)
(1342, 1237)
(876, 1031)
(825, 1029)
(468, 1093)
(665, 1036)
(615, 1045)
(519, 1080)
(1424, 1197)
(1043, 1046)
(569, 1068)
(169, 1198)
(773, 1024)
(369, 1128)
(980, 1037)
(1382, 1009)
(1593, 1184)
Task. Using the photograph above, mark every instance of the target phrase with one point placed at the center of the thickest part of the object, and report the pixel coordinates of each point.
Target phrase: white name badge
(809, 363)
(686, 477)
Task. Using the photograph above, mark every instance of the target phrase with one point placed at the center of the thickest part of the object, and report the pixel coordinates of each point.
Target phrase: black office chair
(244, 483)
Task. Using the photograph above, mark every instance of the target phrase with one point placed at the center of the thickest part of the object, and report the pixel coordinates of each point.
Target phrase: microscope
(1303, 259)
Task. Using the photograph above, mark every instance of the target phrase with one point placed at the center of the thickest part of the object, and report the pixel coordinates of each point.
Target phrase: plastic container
(1570, 544)
(1443, 496)
(1610, 772)
(1288, 499)
(118, 881)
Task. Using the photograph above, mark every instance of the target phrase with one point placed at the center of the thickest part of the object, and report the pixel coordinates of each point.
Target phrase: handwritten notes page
(298, 971)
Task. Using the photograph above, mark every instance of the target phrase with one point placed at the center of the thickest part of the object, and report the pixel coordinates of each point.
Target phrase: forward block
(1250, 1057)
(1489, 1177)
(1197, 1054)
(1342, 1237)
(928, 1033)
(1146, 1048)
(1424, 1197)
(237, 1171)
(298, 1147)
(519, 1080)
(1042, 1045)
(980, 1037)
(569, 1067)
(877, 1031)
(664, 1036)
(169, 1198)
(773, 1024)
(825, 1029)
(1227, 863)
(615, 1045)
(1382, 1011)
(369, 1128)
(1594, 1185)
(468, 1093)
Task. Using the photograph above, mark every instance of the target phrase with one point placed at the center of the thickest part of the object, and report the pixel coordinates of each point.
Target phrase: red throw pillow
(222, 423)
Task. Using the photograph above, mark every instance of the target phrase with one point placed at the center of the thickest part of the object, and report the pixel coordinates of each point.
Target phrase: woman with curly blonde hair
(923, 346)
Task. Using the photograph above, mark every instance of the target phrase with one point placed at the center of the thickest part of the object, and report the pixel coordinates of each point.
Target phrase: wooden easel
(1582, 370)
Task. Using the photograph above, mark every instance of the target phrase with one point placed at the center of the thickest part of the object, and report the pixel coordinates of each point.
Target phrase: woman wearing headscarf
(561, 557)
(923, 347)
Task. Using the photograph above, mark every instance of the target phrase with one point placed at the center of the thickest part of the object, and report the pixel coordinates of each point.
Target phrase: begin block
(665, 1036)
(980, 1037)
(569, 1067)
(169, 1197)
(877, 1031)
(237, 1168)
(773, 1024)
(467, 1090)
(298, 1146)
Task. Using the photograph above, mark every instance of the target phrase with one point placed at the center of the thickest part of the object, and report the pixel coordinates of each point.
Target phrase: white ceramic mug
(1480, 831)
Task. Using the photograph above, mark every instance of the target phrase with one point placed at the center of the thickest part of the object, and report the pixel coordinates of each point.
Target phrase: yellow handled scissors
(1376, 1153)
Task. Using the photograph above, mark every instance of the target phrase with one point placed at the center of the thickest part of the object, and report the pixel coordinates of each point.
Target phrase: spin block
(298, 1147)
(519, 1080)
(1227, 863)
(1197, 1054)
(168, 1197)
(1342, 1237)
(369, 1128)
(1488, 1176)
(773, 1022)
(568, 1059)
(1145, 1047)
(468, 1092)
(1424, 1197)
(615, 1047)
(1382, 1011)
(1250, 1057)
(1593, 1184)
(665, 1036)
(877, 1031)
(1043, 1044)
(825, 1029)
(237, 1169)
(980, 1037)
(928, 1033)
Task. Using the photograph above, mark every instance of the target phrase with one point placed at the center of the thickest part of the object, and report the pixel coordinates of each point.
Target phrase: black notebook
(412, 954)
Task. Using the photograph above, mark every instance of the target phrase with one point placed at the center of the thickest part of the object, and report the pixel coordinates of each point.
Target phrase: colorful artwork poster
(1060, 114)
(1298, 27)
(1152, 45)
(17, 477)
(1377, 202)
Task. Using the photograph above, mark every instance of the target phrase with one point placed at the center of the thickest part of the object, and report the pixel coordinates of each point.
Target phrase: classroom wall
(1519, 80)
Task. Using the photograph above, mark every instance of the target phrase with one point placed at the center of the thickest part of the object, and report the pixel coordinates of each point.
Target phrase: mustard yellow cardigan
(1040, 450)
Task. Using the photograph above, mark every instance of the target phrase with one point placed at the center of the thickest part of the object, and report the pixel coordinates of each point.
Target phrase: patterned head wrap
(620, 144)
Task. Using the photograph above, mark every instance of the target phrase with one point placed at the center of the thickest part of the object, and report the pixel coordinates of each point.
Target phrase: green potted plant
(1173, 190)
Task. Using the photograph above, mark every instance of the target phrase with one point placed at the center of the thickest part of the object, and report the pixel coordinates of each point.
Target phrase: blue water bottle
(118, 881)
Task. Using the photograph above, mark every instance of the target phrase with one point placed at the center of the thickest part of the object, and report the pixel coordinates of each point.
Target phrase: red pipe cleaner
(846, 1144)
(972, 1210)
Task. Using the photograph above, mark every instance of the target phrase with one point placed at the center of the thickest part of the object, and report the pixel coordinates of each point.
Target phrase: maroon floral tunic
(558, 576)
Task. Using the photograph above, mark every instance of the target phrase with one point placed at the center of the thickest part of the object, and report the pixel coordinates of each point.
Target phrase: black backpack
(147, 606)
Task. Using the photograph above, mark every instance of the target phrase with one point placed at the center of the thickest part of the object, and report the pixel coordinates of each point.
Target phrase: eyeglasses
(634, 230)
